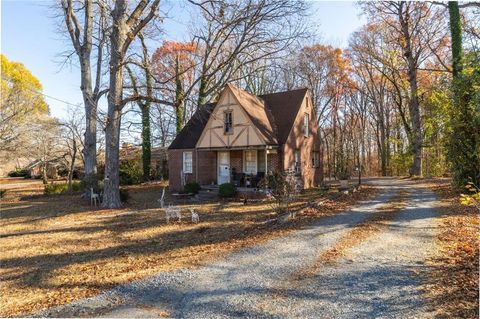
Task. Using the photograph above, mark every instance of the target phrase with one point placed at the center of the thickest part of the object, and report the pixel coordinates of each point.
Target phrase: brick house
(242, 136)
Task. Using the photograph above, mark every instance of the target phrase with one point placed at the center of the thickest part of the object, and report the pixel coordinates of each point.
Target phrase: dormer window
(306, 121)
(228, 122)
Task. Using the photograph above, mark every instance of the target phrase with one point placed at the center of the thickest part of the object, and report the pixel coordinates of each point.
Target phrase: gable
(284, 107)
(244, 133)
(295, 136)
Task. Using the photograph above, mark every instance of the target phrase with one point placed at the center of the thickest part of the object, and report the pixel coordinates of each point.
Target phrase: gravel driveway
(375, 279)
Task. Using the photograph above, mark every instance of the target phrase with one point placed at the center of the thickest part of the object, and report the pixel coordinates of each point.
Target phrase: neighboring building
(35, 168)
(241, 137)
(158, 161)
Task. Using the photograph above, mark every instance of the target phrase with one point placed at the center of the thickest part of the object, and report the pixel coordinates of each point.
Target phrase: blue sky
(29, 36)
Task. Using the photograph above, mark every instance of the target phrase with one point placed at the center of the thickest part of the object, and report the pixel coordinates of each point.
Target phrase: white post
(266, 161)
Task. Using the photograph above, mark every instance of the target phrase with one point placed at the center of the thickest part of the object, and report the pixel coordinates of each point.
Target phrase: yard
(57, 248)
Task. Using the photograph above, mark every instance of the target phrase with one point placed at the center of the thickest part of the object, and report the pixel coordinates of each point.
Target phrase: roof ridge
(283, 92)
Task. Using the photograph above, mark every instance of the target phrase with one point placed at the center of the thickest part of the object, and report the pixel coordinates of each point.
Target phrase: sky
(29, 35)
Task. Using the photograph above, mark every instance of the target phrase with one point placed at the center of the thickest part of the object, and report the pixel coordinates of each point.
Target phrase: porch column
(266, 161)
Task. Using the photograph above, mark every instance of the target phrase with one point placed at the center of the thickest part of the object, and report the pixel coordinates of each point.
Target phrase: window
(315, 159)
(306, 121)
(227, 122)
(250, 162)
(297, 162)
(187, 162)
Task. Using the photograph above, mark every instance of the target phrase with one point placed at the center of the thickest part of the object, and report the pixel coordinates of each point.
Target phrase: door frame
(218, 166)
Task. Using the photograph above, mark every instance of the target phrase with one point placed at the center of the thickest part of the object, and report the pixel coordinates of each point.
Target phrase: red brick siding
(207, 167)
(274, 162)
(306, 145)
(175, 166)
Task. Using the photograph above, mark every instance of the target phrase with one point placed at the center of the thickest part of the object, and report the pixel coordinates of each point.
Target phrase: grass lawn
(56, 249)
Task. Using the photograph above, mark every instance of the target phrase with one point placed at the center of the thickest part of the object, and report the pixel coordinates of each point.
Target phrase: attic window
(306, 121)
(228, 122)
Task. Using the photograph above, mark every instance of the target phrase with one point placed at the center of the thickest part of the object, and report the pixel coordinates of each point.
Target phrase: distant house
(242, 136)
(35, 168)
(158, 161)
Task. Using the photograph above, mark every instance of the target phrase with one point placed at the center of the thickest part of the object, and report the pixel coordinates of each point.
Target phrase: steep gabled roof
(258, 113)
(284, 107)
(272, 114)
(189, 135)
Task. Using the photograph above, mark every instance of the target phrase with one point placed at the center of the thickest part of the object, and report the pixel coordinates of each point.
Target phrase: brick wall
(207, 167)
(274, 162)
(310, 175)
(175, 166)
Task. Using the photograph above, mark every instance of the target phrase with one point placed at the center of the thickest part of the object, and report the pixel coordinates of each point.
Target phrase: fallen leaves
(452, 281)
(58, 249)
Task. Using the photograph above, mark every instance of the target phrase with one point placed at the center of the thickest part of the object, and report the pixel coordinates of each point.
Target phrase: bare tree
(232, 35)
(72, 145)
(126, 25)
(86, 22)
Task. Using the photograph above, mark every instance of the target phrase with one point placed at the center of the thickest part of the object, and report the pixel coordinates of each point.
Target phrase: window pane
(306, 121)
(227, 122)
(187, 162)
(251, 162)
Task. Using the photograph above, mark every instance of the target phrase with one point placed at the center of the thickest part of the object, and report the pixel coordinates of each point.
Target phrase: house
(158, 158)
(35, 168)
(242, 136)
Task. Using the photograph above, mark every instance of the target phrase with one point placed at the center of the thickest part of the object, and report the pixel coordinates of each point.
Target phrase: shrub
(61, 188)
(227, 190)
(77, 186)
(284, 188)
(191, 188)
(18, 173)
(50, 189)
(130, 172)
(124, 195)
(2, 193)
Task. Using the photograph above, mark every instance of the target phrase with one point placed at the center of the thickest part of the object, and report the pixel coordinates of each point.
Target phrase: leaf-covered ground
(453, 277)
(56, 249)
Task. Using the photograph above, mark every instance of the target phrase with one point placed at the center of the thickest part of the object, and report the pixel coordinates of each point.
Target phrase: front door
(223, 175)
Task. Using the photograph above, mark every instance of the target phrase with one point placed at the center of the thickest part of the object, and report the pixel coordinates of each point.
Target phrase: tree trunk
(202, 91)
(90, 137)
(414, 107)
(417, 146)
(72, 164)
(111, 196)
(146, 142)
(44, 173)
(456, 33)
(179, 99)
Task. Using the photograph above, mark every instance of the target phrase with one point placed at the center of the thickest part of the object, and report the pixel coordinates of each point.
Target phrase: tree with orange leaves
(173, 67)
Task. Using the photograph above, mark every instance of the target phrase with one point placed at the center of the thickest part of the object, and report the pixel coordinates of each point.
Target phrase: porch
(245, 168)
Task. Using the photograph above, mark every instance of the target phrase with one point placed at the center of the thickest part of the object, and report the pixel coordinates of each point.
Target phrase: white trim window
(306, 121)
(250, 162)
(187, 162)
(315, 159)
(298, 163)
